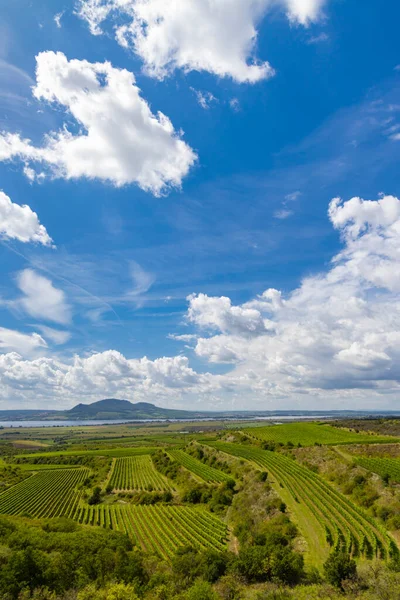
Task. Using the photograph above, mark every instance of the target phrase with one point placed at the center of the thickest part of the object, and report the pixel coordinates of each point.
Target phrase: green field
(159, 529)
(326, 517)
(308, 434)
(43, 467)
(47, 494)
(110, 452)
(204, 472)
(137, 473)
(381, 466)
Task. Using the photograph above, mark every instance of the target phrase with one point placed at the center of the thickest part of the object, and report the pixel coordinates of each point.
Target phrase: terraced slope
(204, 472)
(319, 507)
(137, 473)
(47, 494)
(159, 529)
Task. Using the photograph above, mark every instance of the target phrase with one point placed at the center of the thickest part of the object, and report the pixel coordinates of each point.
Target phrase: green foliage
(95, 498)
(10, 475)
(339, 567)
(201, 590)
(114, 591)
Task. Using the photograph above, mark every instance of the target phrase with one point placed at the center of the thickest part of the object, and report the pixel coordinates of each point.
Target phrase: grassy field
(320, 510)
(44, 467)
(308, 434)
(137, 473)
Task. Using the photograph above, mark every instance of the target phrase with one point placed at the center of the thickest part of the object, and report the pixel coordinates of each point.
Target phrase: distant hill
(111, 408)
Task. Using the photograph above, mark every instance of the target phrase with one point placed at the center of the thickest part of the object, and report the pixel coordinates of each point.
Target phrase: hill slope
(111, 408)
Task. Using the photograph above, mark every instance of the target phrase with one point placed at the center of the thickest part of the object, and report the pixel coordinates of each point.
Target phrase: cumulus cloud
(101, 374)
(119, 139)
(41, 299)
(195, 35)
(21, 223)
(304, 11)
(219, 314)
(336, 336)
(338, 330)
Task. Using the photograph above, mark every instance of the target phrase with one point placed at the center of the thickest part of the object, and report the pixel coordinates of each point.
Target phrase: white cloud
(318, 39)
(57, 336)
(57, 19)
(99, 375)
(195, 35)
(283, 213)
(219, 314)
(338, 330)
(21, 223)
(293, 196)
(205, 99)
(120, 140)
(304, 11)
(11, 340)
(334, 339)
(234, 104)
(189, 337)
(41, 299)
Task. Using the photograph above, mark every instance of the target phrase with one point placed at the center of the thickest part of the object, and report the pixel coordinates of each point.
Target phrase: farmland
(44, 495)
(159, 529)
(319, 506)
(137, 473)
(204, 472)
(110, 452)
(308, 434)
(296, 494)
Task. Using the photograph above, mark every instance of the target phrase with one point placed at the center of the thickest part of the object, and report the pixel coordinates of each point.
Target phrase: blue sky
(177, 225)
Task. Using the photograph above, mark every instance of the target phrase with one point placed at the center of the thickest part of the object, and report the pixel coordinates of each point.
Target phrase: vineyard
(385, 467)
(50, 493)
(319, 506)
(204, 472)
(159, 529)
(308, 434)
(137, 473)
(111, 452)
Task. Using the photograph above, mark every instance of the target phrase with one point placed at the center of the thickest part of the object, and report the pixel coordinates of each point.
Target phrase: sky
(200, 203)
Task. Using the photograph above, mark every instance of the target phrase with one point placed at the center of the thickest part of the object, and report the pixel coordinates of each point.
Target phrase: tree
(95, 498)
(339, 567)
(201, 590)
